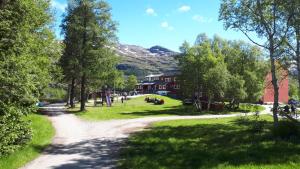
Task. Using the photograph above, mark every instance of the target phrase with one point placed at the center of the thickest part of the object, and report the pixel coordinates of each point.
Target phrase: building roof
(157, 75)
(147, 83)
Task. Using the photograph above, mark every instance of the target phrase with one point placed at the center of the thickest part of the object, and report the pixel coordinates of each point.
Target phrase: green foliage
(28, 53)
(241, 64)
(42, 134)
(213, 87)
(193, 66)
(131, 82)
(293, 89)
(55, 94)
(235, 88)
(14, 131)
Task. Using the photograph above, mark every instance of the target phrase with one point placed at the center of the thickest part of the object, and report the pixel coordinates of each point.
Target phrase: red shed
(283, 83)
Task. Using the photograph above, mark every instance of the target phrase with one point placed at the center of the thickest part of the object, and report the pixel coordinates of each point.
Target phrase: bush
(286, 130)
(14, 131)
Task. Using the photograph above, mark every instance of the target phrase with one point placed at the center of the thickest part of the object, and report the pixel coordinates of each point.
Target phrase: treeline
(28, 63)
(222, 70)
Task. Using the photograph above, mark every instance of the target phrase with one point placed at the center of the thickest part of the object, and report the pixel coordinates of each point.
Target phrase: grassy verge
(43, 133)
(215, 143)
(136, 108)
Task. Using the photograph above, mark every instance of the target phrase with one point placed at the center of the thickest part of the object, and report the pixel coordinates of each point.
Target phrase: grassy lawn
(216, 143)
(137, 107)
(43, 133)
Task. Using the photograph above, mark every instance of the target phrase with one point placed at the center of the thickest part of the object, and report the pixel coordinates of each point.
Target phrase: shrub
(286, 130)
(14, 131)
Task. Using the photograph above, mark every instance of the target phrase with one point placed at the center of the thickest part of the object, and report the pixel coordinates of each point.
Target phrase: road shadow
(55, 109)
(95, 153)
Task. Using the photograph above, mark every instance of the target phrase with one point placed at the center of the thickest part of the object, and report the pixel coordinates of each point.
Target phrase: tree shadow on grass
(180, 111)
(207, 146)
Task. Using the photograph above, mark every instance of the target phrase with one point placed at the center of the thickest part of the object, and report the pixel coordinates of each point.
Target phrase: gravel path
(81, 144)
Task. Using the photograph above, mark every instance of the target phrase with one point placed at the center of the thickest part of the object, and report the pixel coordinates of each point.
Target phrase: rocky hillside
(141, 61)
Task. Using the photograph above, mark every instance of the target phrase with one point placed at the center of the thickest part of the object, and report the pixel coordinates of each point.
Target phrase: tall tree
(267, 19)
(293, 40)
(131, 82)
(27, 51)
(215, 82)
(90, 23)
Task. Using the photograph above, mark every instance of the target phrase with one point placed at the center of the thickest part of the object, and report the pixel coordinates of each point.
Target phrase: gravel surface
(80, 144)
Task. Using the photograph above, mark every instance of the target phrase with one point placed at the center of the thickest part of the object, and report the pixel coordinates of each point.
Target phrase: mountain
(141, 61)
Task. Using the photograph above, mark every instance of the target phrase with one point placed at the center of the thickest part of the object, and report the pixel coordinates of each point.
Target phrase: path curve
(80, 144)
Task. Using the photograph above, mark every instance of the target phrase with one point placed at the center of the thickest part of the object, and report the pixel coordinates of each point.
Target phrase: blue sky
(166, 23)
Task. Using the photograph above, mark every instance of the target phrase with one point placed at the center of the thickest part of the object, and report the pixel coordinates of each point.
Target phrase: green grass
(43, 133)
(216, 143)
(136, 108)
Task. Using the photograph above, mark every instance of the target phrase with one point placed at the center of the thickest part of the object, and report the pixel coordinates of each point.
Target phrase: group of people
(290, 109)
(155, 101)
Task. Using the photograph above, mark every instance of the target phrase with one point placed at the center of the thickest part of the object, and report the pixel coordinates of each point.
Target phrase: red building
(160, 82)
(283, 83)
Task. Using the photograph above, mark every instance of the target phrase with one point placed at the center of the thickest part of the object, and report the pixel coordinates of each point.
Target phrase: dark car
(188, 101)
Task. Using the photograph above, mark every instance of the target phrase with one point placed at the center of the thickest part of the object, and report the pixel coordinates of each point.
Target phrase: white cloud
(184, 8)
(166, 26)
(202, 19)
(59, 6)
(151, 11)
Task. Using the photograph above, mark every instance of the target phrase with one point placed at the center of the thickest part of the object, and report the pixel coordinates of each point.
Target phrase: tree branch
(252, 39)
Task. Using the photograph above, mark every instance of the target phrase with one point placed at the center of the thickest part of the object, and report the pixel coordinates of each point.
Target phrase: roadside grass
(212, 143)
(137, 108)
(43, 133)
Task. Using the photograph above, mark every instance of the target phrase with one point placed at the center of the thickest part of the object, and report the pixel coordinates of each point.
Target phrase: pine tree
(90, 32)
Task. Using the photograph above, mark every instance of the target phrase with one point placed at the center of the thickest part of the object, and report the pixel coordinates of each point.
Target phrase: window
(177, 86)
(164, 87)
(174, 79)
(168, 79)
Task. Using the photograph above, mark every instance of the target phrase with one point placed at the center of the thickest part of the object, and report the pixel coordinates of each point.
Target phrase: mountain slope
(141, 61)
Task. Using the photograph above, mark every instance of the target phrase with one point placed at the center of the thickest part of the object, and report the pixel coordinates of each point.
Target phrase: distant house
(159, 82)
(283, 83)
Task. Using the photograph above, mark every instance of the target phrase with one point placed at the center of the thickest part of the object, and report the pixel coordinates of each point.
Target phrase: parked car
(162, 93)
(188, 102)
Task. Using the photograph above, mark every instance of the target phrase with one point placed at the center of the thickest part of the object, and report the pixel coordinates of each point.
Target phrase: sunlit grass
(137, 108)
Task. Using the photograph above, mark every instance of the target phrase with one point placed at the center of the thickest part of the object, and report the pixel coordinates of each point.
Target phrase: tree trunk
(82, 93)
(83, 55)
(298, 57)
(72, 93)
(275, 86)
(68, 95)
(208, 104)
